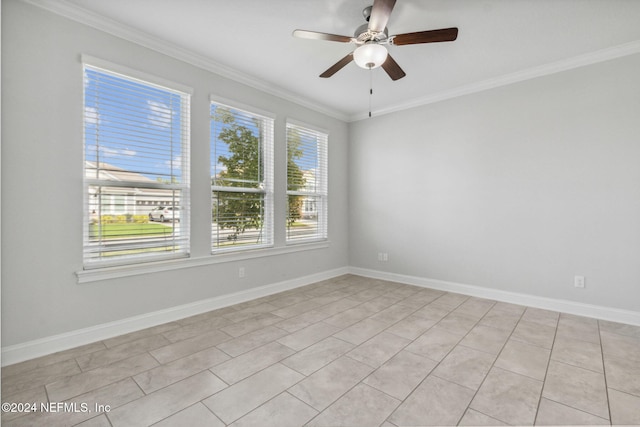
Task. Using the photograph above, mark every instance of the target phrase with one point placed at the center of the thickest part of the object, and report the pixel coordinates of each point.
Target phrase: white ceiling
(500, 41)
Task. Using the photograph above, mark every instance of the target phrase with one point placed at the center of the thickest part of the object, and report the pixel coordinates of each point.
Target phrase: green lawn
(126, 230)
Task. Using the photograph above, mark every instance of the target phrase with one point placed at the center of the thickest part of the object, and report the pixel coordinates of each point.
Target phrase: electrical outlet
(241, 272)
(578, 281)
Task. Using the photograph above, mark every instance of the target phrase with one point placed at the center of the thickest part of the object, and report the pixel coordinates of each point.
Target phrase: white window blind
(136, 143)
(306, 183)
(241, 178)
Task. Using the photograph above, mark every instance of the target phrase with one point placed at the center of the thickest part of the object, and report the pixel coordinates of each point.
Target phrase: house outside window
(136, 166)
(306, 183)
(241, 178)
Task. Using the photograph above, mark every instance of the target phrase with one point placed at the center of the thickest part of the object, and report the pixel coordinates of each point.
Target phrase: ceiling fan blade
(393, 69)
(380, 14)
(431, 36)
(337, 66)
(314, 35)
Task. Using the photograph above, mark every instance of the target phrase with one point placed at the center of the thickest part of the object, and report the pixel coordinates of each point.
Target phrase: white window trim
(325, 225)
(185, 187)
(269, 189)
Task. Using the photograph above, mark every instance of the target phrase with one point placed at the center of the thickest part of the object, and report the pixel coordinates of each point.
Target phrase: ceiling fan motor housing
(363, 34)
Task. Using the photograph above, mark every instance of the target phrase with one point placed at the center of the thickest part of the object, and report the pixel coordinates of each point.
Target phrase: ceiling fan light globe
(370, 55)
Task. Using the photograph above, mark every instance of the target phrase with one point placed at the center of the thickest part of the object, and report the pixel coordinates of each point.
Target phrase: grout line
(604, 374)
(546, 371)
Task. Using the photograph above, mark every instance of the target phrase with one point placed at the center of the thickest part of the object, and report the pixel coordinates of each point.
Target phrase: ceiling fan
(371, 38)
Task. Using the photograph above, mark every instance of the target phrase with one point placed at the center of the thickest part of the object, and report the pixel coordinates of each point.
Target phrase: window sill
(107, 273)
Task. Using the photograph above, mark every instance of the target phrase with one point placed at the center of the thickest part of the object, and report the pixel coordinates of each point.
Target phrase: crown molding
(115, 28)
(583, 60)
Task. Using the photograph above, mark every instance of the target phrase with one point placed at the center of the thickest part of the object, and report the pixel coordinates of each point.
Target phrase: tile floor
(350, 351)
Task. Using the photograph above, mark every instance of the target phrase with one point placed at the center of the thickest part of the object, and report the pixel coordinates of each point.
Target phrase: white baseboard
(43, 346)
(564, 306)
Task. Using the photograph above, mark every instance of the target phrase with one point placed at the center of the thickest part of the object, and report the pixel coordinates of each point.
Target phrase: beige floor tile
(401, 374)
(450, 300)
(361, 406)
(457, 323)
(620, 328)
(137, 335)
(535, 334)
(500, 319)
(249, 312)
(465, 366)
(301, 321)
(82, 383)
(361, 331)
(433, 312)
(625, 408)
(244, 396)
(307, 336)
(172, 372)
(509, 397)
(156, 406)
(411, 327)
(579, 353)
(41, 362)
(524, 359)
(189, 346)
(434, 344)
(576, 387)
(378, 349)
(81, 408)
(435, 402)
(194, 329)
(323, 387)
(249, 325)
(392, 314)
(296, 309)
(249, 363)
(99, 421)
(620, 346)
(475, 418)
(350, 316)
(475, 307)
(194, 416)
(121, 351)
(552, 413)
(486, 339)
(34, 395)
(338, 306)
(623, 374)
(283, 410)
(248, 342)
(318, 355)
(39, 377)
(542, 317)
(579, 328)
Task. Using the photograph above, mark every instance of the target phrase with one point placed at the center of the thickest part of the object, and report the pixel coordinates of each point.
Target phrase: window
(241, 178)
(136, 169)
(306, 183)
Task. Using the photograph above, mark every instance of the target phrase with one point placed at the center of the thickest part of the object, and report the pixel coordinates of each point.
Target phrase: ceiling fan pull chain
(370, 88)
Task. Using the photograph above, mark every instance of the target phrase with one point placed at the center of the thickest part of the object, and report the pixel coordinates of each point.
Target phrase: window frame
(183, 187)
(265, 188)
(321, 180)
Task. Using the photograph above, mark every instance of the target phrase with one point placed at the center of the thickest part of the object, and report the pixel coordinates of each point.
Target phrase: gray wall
(42, 160)
(517, 188)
